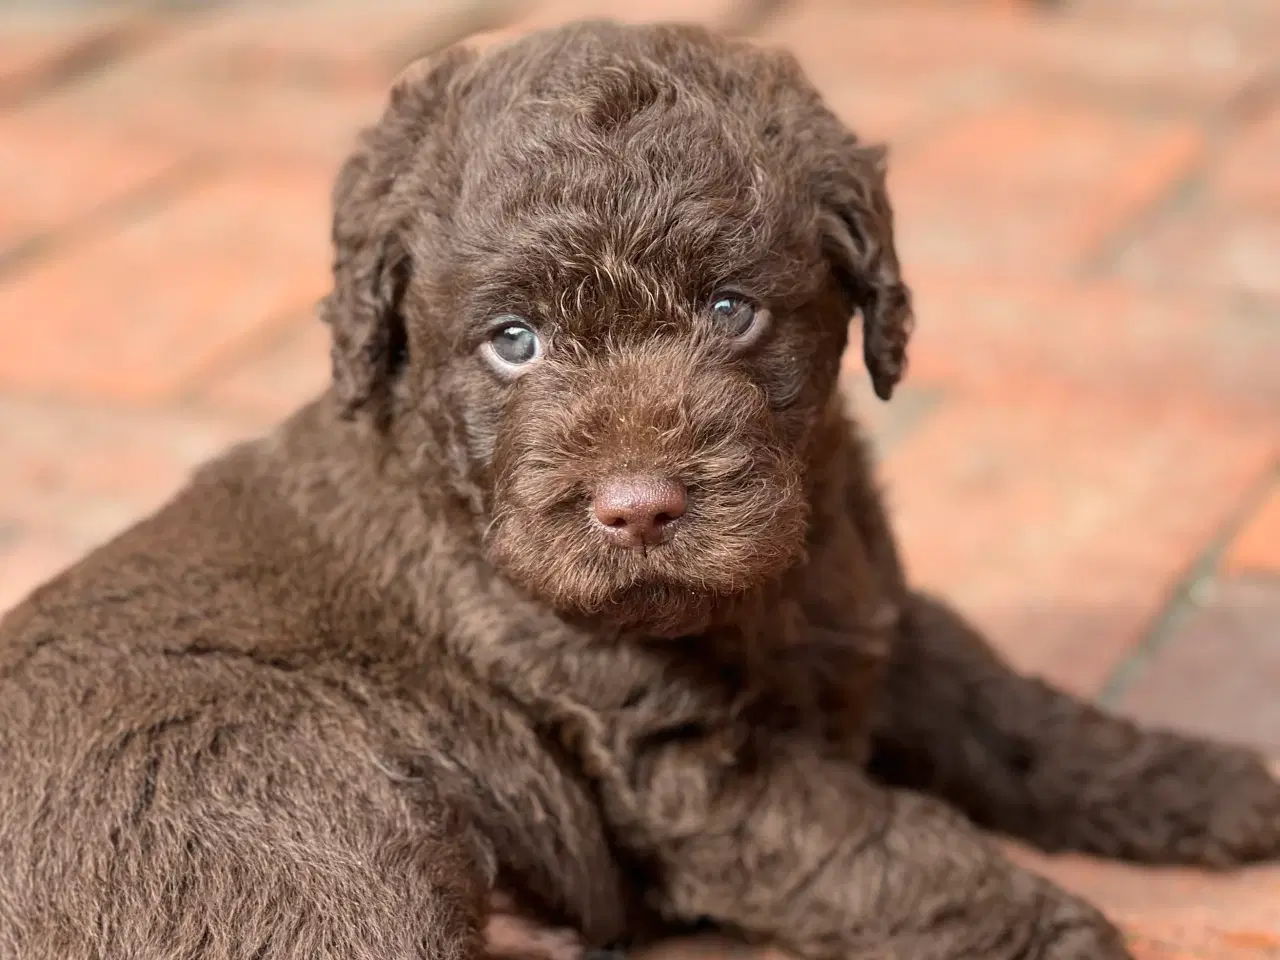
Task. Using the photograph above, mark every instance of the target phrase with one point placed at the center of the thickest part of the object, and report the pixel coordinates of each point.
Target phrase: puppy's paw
(1191, 801)
(1240, 818)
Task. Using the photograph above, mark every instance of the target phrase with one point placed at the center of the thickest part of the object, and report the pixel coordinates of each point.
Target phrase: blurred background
(1084, 455)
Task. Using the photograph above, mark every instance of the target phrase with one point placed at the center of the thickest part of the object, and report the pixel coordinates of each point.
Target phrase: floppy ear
(858, 228)
(371, 259)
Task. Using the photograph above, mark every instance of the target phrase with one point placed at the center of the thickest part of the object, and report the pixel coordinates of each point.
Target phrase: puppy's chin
(696, 579)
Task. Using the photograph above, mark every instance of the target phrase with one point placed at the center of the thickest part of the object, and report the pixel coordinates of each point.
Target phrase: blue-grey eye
(515, 343)
(737, 317)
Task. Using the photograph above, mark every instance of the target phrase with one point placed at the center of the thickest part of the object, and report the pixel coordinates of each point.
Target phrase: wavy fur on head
(608, 213)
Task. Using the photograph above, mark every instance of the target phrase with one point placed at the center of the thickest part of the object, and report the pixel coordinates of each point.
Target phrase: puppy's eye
(514, 344)
(738, 318)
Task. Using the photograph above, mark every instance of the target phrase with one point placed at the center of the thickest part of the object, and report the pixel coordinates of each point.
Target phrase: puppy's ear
(370, 209)
(858, 229)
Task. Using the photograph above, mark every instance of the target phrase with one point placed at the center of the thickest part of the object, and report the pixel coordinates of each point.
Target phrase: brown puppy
(576, 585)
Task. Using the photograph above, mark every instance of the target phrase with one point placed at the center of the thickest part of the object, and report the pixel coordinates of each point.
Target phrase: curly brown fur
(372, 670)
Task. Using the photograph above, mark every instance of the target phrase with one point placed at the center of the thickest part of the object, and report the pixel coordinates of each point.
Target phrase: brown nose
(639, 511)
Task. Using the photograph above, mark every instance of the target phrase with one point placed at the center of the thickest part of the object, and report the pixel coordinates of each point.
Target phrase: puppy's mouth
(642, 549)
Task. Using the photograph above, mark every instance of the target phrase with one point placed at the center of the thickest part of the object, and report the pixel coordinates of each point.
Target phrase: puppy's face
(617, 278)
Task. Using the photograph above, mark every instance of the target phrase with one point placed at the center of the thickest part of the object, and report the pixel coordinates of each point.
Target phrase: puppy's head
(600, 280)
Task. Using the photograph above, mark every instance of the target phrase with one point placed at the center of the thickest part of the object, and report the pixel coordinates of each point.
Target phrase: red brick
(1144, 57)
(53, 175)
(1061, 525)
(331, 41)
(544, 13)
(268, 384)
(884, 87)
(499, 21)
(991, 335)
(39, 47)
(1034, 185)
(82, 473)
(887, 425)
(1256, 548)
(1250, 12)
(1211, 249)
(1218, 672)
(175, 99)
(834, 38)
(1179, 942)
(1255, 18)
(902, 110)
(1246, 176)
(164, 296)
(1226, 238)
(28, 559)
(1118, 54)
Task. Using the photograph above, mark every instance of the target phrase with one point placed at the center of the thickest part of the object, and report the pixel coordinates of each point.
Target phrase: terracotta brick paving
(1085, 456)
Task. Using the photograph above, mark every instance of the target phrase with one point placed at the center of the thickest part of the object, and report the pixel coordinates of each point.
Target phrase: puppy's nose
(639, 511)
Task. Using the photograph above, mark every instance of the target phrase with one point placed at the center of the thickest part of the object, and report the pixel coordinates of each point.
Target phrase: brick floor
(1060, 523)
(1257, 547)
(1086, 455)
(1185, 688)
(41, 47)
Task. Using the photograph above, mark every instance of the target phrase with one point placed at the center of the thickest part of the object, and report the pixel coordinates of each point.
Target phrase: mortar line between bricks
(430, 38)
(1187, 593)
(130, 206)
(922, 407)
(1179, 194)
(273, 330)
(1241, 111)
(1251, 102)
(1096, 95)
(1101, 262)
(97, 51)
(63, 404)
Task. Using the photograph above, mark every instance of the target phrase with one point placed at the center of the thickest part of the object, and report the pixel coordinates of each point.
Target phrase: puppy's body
(368, 669)
(241, 730)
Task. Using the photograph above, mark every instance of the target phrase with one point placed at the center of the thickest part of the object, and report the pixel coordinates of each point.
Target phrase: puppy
(575, 587)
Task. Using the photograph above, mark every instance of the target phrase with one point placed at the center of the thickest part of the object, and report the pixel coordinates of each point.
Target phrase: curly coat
(368, 670)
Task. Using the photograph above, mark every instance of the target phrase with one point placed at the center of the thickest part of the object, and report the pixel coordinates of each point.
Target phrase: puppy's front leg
(805, 852)
(1021, 757)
